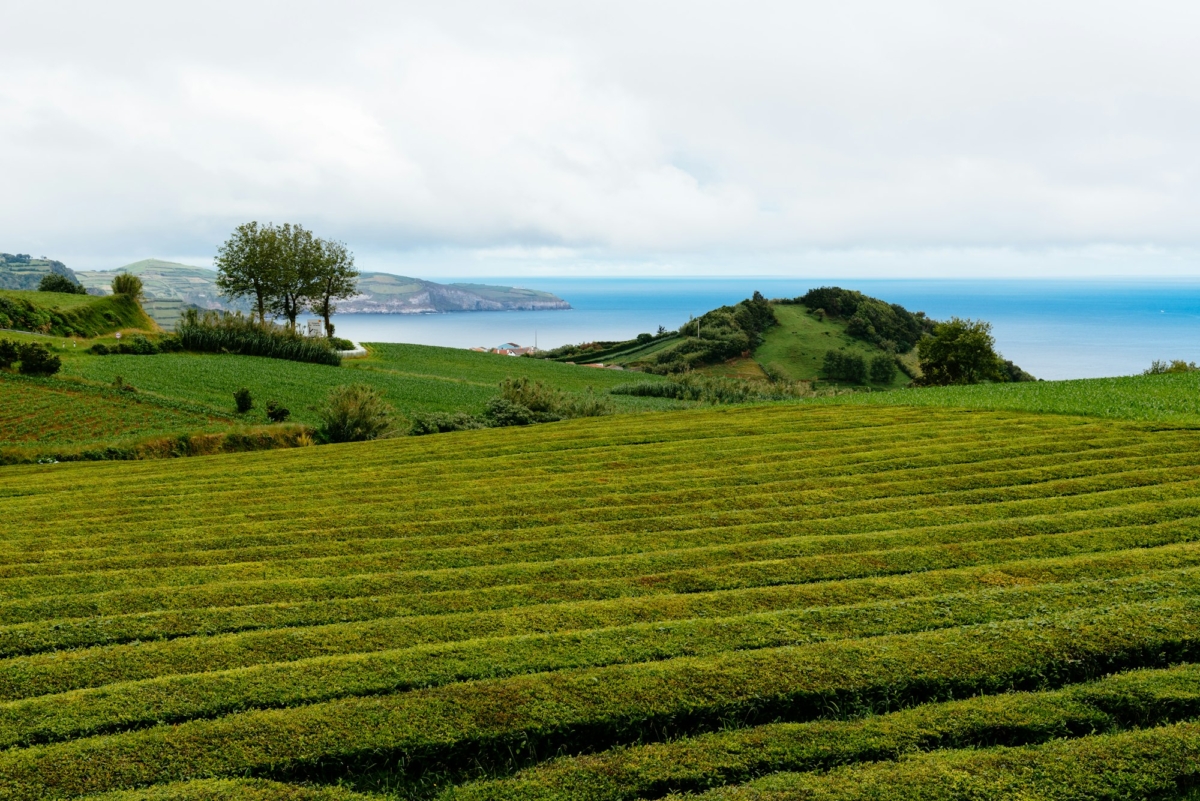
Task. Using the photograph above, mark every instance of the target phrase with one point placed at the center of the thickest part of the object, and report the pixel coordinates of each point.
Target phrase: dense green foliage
(69, 315)
(729, 600)
(960, 352)
(723, 333)
(716, 390)
(888, 325)
(235, 333)
(355, 413)
(54, 282)
(127, 284)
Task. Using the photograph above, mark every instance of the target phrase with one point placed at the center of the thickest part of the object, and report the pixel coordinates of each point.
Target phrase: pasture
(758, 602)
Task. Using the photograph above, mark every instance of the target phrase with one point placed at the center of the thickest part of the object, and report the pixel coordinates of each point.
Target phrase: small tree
(36, 359)
(883, 369)
(127, 284)
(354, 413)
(10, 352)
(277, 412)
(243, 401)
(53, 282)
(296, 269)
(960, 352)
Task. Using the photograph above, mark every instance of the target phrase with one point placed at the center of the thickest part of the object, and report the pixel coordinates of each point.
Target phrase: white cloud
(657, 137)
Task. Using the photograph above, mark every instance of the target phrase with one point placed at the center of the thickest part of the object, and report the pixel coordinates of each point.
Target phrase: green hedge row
(601, 706)
(775, 496)
(461, 590)
(493, 612)
(209, 687)
(1158, 763)
(712, 760)
(454, 568)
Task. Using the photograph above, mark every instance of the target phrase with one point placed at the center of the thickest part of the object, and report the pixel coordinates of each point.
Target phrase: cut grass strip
(1136, 699)
(600, 707)
(1153, 763)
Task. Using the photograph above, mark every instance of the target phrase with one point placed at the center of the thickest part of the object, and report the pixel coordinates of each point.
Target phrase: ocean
(1053, 329)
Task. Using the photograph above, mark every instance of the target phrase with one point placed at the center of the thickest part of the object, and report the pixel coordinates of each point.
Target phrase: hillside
(770, 602)
(20, 271)
(379, 292)
(167, 395)
(67, 315)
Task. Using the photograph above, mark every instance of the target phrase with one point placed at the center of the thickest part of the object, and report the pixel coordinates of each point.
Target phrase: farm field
(413, 378)
(1168, 398)
(789, 601)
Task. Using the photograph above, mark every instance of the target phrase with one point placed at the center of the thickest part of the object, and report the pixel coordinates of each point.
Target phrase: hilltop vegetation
(70, 315)
(831, 602)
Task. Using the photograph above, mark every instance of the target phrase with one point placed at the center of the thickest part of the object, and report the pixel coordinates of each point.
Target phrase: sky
(865, 139)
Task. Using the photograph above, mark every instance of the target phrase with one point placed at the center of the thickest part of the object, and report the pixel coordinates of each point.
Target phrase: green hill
(67, 315)
(763, 602)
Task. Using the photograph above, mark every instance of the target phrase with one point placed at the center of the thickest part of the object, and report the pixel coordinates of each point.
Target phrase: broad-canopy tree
(247, 265)
(960, 352)
(336, 279)
(286, 269)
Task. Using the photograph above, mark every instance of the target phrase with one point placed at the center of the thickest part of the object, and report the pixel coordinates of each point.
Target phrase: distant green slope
(20, 271)
(795, 348)
(378, 292)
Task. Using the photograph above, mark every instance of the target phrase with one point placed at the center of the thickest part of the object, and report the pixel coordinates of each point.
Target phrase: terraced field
(760, 602)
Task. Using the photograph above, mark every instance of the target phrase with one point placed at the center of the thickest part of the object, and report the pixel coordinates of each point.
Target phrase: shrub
(9, 353)
(869, 319)
(842, 366)
(548, 404)
(120, 385)
(126, 284)
(138, 345)
(501, 412)
(716, 389)
(442, 422)
(243, 401)
(53, 282)
(236, 333)
(642, 339)
(1174, 366)
(354, 413)
(99, 349)
(276, 412)
(338, 343)
(36, 359)
(883, 369)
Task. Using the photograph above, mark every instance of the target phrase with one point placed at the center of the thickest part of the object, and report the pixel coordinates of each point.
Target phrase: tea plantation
(774, 602)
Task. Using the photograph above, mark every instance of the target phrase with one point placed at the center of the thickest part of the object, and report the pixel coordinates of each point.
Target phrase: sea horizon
(1055, 328)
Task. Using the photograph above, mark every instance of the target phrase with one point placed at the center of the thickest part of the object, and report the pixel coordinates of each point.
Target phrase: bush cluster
(716, 389)
(521, 402)
(355, 413)
(1174, 366)
(724, 333)
(139, 345)
(53, 282)
(887, 325)
(854, 368)
(31, 358)
(236, 333)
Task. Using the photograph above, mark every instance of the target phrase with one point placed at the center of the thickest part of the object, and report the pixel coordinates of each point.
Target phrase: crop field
(757, 602)
(1168, 398)
(413, 378)
(49, 412)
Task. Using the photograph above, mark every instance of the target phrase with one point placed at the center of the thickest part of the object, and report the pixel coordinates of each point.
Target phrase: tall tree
(248, 265)
(336, 279)
(299, 266)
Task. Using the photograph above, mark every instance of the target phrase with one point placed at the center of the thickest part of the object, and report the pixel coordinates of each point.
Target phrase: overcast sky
(459, 138)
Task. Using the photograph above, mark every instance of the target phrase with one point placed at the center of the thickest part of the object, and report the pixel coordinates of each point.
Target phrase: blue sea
(1053, 329)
